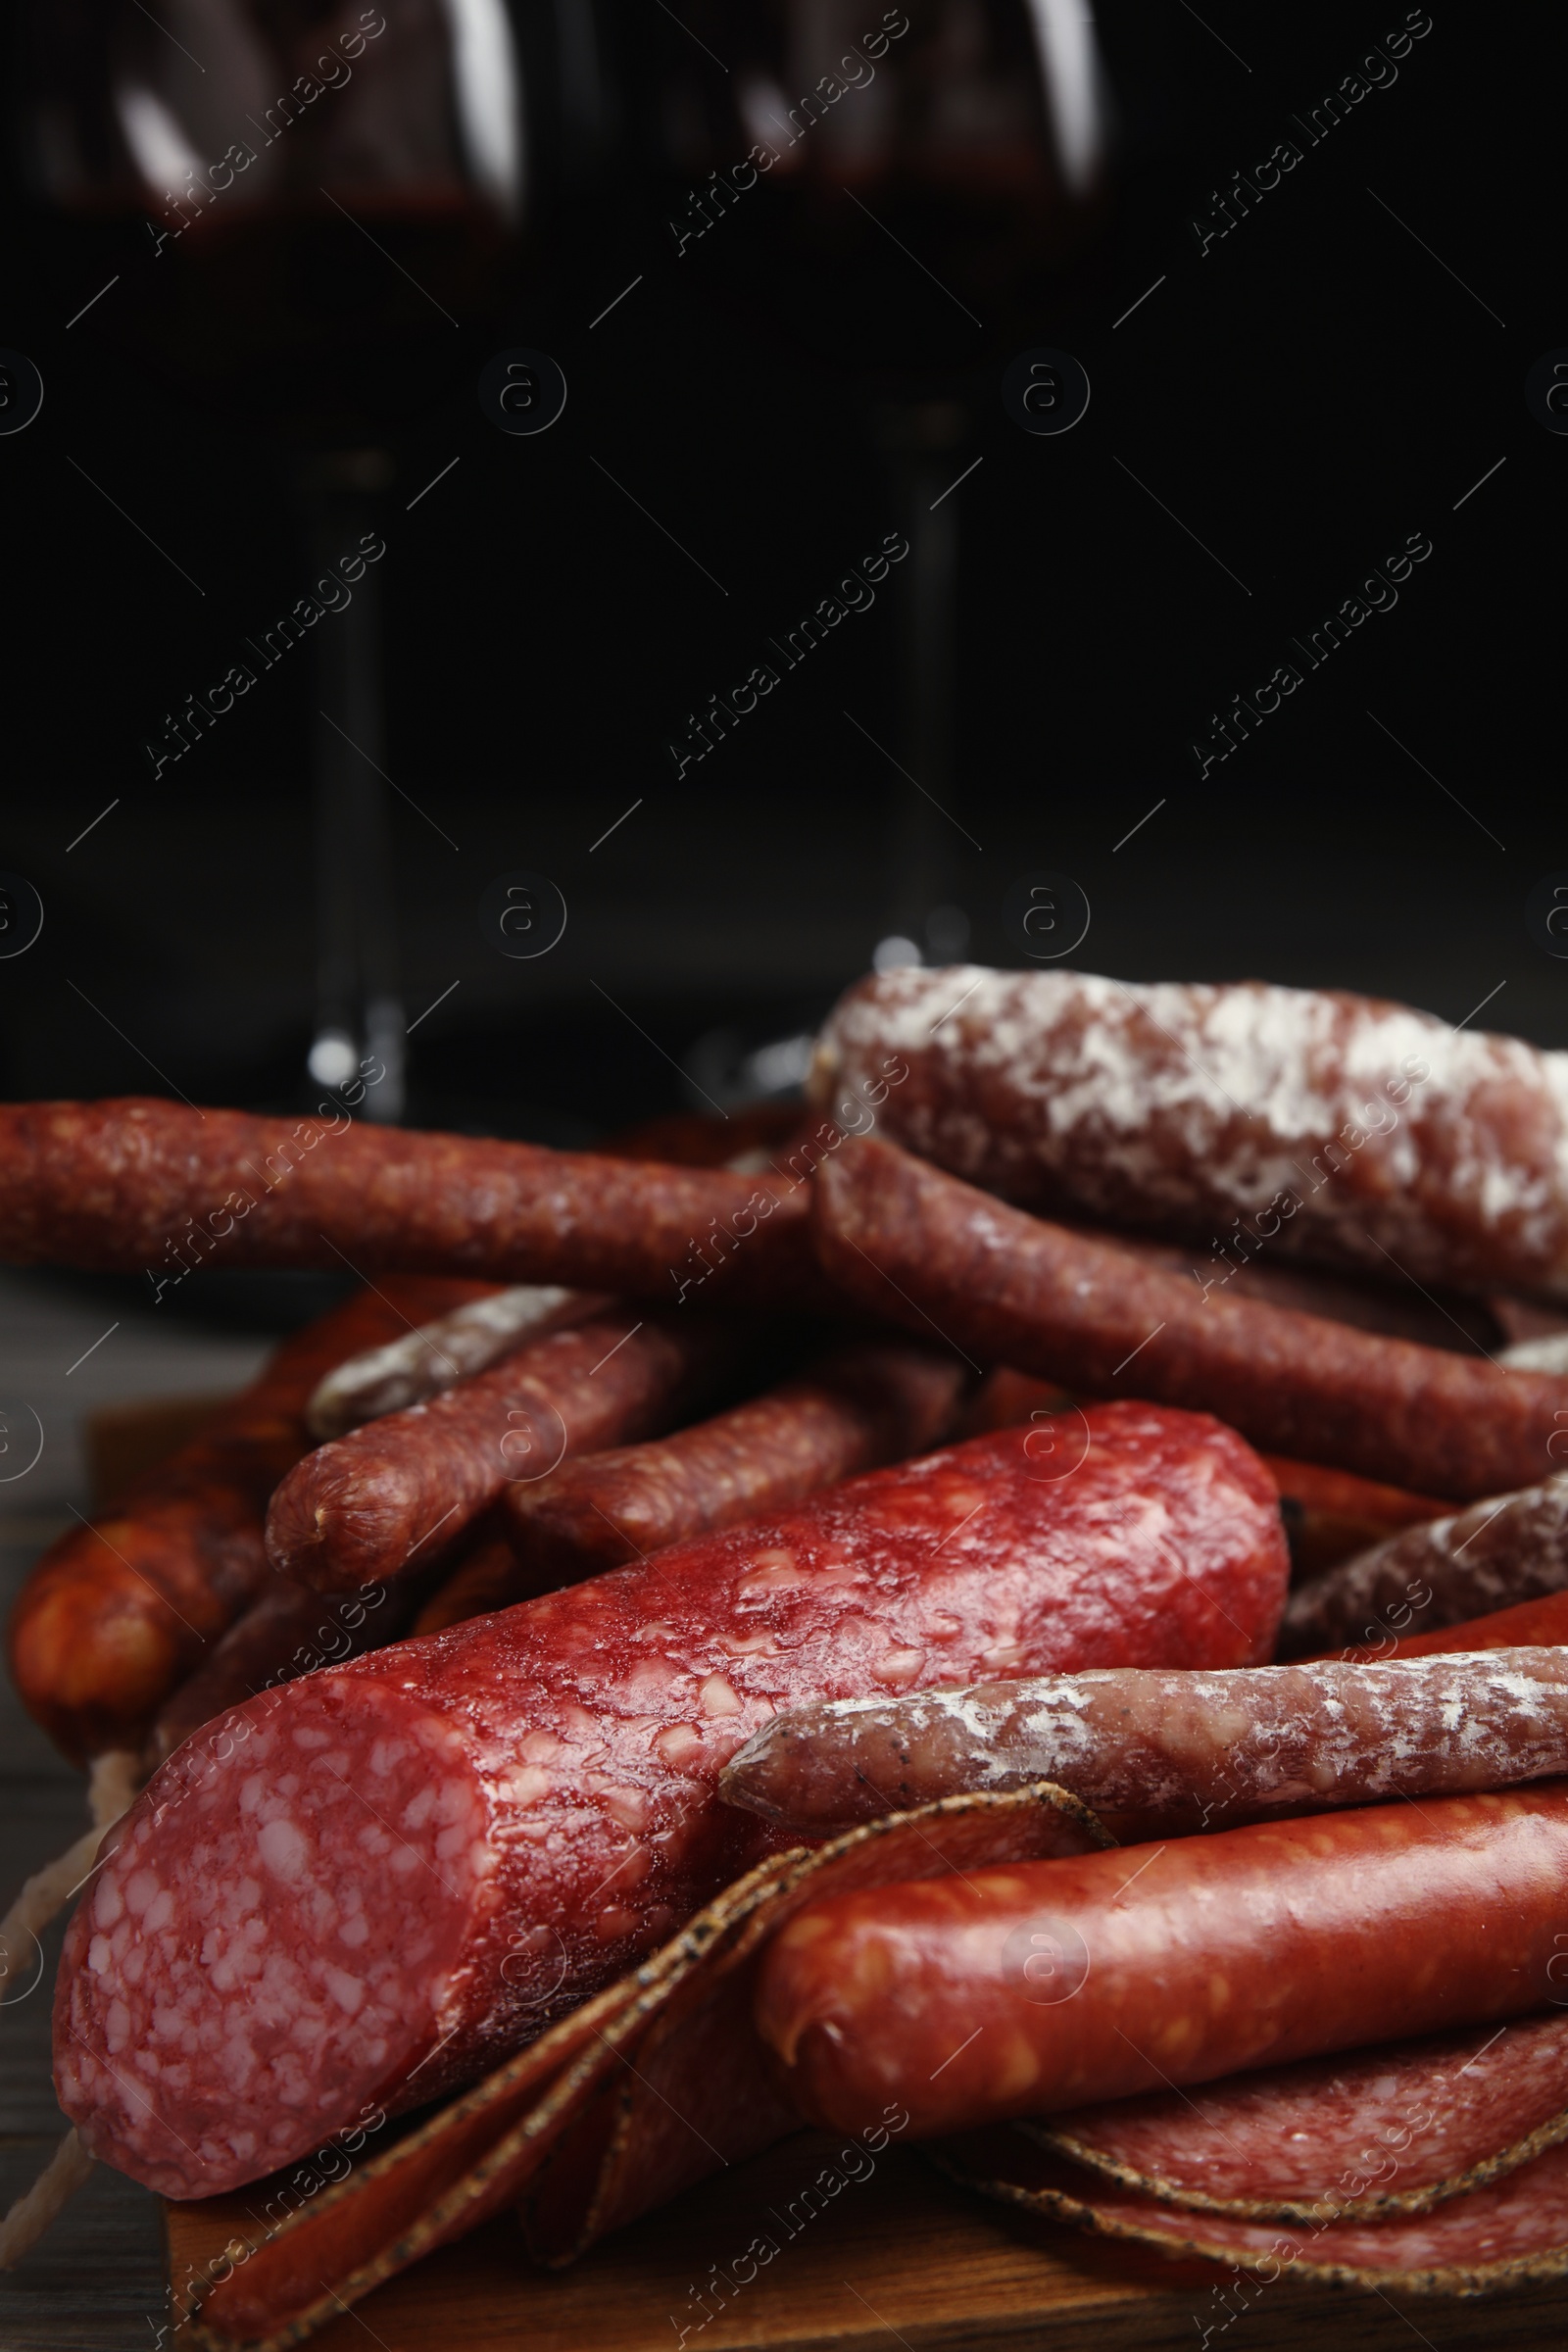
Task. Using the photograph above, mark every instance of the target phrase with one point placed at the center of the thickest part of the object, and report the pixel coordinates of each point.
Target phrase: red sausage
(145, 1185)
(288, 1631)
(872, 1401)
(1028, 1991)
(369, 1884)
(1271, 1119)
(114, 1616)
(953, 1264)
(391, 1497)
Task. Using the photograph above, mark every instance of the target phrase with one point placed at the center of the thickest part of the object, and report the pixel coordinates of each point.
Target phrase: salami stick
(381, 1877)
(948, 1261)
(114, 1616)
(1258, 1118)
(1505, 1550)
(1179, 1749)
(870, 1402)
(422, 1363)
(138, 1184)
(1331, 1515)
(1038, 1989)
(390, 1497)
(1531, 1622)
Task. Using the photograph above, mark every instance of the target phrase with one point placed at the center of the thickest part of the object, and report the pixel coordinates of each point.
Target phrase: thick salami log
(375, 1880)
(1305, 1120)
(1505, 1550)
(437, 1354)
(1179, 1749)
(953, 1264)
(1041, 1988)
(870, 1402)
(139, 1184)
(1365, 2135)
(390, 1497)
(1505, 2234)
(114, 1616)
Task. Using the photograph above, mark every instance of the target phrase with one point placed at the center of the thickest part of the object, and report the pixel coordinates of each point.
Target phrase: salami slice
(1501, 1551)
(952, 1263)
(1268, 1119)
(114, 1616)
(390, 1497)
(1170, 1750)
(1505, 2235)
(1039, 1989)
(371, 1884)
(1399, 2128)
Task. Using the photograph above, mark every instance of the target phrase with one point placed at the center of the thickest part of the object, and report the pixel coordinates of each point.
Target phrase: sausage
(1367, 2134)
(388, 1499)
(1177, 1750)
(395, 1870)
(142, 1185)
(1255, 1117)
(114, 1616)
(869, 1403)
(288, 1630)
(1329, 1515)
(1532, 1623)
(1053, 1984)
(489, 1577)
(1505, 1550)
(953, 1263)
(423, 1362)
(1502, 2235)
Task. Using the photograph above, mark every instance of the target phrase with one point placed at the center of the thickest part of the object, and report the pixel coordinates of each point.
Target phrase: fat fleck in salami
(379, 1878)
(1176, 1748)
(114, 1616)
(870, 1402)
(140, 1184)
(435, 1356)
(1505, 1550)
(945, 1259)
(1039, 1988)
(1339, 1126)
(388, 1499)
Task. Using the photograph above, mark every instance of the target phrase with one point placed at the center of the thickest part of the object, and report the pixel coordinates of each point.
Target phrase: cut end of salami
(274, 1938)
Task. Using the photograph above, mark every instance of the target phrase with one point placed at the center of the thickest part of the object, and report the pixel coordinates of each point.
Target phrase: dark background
(1315, 389)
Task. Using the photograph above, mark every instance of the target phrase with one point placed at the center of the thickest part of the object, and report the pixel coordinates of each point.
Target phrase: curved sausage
(425, 1361)
(1257, 1118)
(950, 1263)
(116, 1615)
(1170, 1750)
(1029, 1990)
(870, 1402)
(371, 1884)
(1502, 1551)
(142, 1185)
(288, 1630)
(391, 1497)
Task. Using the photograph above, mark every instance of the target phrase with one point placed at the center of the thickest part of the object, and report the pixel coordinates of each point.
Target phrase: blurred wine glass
(320, 220)
(906, 197)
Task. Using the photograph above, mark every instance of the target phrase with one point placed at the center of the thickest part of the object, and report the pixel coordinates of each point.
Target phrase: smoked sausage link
(977, 1998)
(872, 1401)
(134, 1185)
(391, 1497)
(1257, 1118)
(367, 1885)
(116, 1615)
(942, 1258)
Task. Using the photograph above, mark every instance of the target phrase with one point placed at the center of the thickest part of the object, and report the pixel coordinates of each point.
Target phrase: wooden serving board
(900, 2256)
